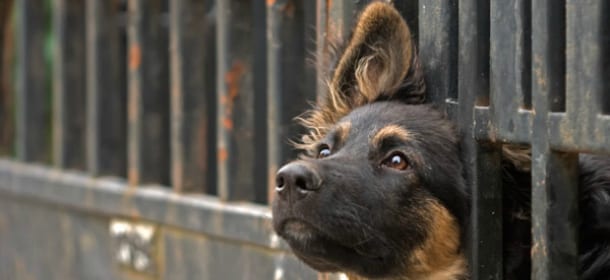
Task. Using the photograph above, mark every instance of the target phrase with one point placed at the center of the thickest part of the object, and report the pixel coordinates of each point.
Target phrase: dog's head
(379, 190)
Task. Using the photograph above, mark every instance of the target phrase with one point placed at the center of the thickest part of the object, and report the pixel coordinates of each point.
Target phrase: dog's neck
(455, 270)
(440, 256)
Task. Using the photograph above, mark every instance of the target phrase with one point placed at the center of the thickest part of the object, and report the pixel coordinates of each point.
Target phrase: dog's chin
(326, 253)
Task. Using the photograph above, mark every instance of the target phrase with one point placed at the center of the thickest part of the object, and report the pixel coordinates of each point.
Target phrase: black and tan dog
(379, 191)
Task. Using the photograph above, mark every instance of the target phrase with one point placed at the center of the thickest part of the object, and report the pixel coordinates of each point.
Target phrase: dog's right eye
(324, 151)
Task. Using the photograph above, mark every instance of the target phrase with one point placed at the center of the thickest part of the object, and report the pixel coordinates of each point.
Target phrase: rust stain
(227, 123)
(135, 57)
(222, 154)
(232, 78)
(289, 9)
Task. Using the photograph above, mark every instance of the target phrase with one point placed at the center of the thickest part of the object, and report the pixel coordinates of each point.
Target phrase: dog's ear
(379, 62)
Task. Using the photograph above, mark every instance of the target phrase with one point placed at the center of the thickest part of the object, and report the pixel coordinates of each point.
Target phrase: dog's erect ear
(378, 63)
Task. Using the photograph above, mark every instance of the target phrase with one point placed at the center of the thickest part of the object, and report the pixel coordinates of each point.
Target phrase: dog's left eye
(324, 151)
(396, 161)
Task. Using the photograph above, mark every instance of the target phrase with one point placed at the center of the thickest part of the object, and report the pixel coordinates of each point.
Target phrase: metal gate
(141, 137)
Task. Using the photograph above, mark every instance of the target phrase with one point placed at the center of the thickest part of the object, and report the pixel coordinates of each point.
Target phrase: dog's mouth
(326, 252)
(298, 231)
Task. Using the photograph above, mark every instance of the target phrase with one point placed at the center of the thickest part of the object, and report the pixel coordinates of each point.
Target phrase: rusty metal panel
(69, 84)
(148, 94)
(106, 88)
(192, 48)
(33, 110)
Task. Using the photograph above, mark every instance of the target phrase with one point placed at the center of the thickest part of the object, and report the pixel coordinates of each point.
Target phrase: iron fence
(176, 113)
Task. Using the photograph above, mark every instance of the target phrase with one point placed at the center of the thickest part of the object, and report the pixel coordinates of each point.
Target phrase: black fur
(365, 218)
(349, 212)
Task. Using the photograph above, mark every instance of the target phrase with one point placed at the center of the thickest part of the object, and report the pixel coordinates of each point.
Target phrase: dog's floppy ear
(378, 63)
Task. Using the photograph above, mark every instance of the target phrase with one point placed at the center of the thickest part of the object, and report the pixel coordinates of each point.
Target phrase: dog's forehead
(374, 117)
(371, 123)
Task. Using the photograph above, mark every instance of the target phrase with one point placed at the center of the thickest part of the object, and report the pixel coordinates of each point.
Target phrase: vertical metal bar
(554, 174)
(554, 214)
(509, 74)
(33, 107)
(189, 35)
(148, 98)
(341, 16)
(274, 90)
(68, 84)
(235, 101)
(106, 127)
(321, 48)
(605, 61)
(482, 162)
(584, 81)
(288, 90)
(438, 39)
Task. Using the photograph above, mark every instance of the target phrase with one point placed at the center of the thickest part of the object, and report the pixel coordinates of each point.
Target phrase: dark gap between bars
(106, 86)
(33, 101)
(69, 84)
(483, 22)
(526, 80)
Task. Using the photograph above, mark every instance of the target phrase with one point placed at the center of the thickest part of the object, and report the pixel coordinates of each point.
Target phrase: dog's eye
(324, 151)
(396, 161)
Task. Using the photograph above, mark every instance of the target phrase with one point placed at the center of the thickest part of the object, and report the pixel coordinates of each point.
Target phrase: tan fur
(343, 129)
(378, 60)
(439, 258)
(518, 155)
(378, 55)
(391, 131)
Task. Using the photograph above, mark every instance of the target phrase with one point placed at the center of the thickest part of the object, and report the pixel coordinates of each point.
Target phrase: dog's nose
(296, 178)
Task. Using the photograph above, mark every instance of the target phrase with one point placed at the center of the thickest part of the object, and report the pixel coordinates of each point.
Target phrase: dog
(379, 190)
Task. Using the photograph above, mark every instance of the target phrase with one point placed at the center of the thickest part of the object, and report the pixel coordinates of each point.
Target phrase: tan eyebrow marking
(342, 131)
(391, 131)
